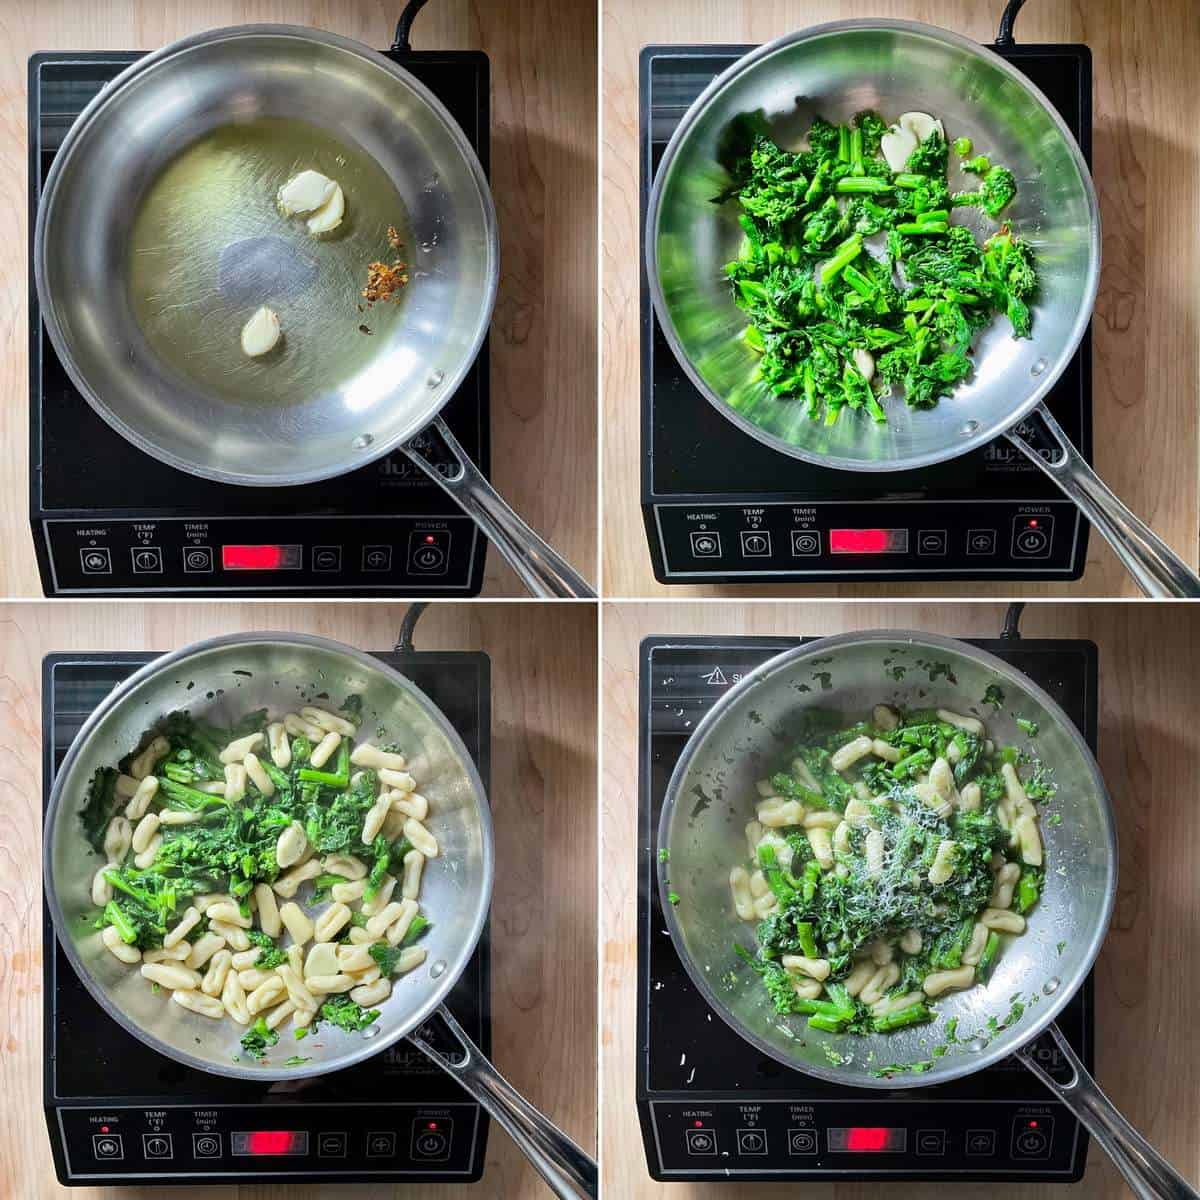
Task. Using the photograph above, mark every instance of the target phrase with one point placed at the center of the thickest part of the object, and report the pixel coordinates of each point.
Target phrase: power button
(429, 551)
(1032, 536)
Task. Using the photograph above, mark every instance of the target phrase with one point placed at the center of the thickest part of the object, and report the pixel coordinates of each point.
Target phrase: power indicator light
(432, 1125)
(430, 539)
(1033, 1124)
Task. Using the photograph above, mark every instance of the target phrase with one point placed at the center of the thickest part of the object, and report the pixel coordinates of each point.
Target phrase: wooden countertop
(543, 342)
(1147, 108)
(1148, 1047)
(543, 795)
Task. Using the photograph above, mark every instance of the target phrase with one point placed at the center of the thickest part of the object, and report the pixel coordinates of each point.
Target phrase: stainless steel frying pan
(893, 67)
(742, 739)
(158, 236)
(263, 670)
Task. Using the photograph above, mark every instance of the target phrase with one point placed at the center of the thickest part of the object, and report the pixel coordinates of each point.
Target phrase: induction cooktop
(713, 1107)
(119, 1112)
(721, 507)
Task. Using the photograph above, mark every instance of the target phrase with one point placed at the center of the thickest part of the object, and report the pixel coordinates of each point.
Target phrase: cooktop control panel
(279, 554)
(279, 1139)
(795, 540)
(835, 1135)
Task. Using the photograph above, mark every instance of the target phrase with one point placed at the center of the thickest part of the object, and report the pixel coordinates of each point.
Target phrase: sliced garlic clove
(305, 192)
(260, 333)
(897, 144)
(864, 360)
(329, 216)
(920, 124)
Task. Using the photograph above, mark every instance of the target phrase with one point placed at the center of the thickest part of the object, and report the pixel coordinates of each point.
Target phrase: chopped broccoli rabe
(828, 906)
(835, 324)
(345, 1014)
(258, 1039)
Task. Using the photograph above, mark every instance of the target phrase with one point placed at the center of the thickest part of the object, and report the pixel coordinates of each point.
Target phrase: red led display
(275, 1141)
(867, 1139)
(261, 558)
(868, 541)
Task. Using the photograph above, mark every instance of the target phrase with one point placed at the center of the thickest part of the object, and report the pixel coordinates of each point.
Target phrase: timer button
(701, 1142)
(802, 1141)
(108, 1146)
(206, 1145)
(197, 560)
(706, 545)
(805, 543)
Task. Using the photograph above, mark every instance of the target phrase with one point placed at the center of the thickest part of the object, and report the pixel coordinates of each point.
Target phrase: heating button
(706, 545)
(702, 1142)
(108, 1146)
(96, 560)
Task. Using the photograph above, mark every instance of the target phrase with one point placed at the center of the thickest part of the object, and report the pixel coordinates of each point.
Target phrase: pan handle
(1158, 570)
(544, 572)
(568, 1171)
(1148, 1174)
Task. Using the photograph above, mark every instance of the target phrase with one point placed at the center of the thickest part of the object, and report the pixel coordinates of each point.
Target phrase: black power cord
(1012, 623)
(402, 42)
(1007, 20)
(404, 642)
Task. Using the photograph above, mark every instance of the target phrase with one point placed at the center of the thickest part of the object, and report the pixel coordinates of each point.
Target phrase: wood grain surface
(543, 796)
(1148, 1044)
(543, 343)
(1147, 168)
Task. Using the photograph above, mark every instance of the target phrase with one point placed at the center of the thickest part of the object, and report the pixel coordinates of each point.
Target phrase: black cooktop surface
(712, 1105)
(88, 485)
(117, 1111)
(722, 507)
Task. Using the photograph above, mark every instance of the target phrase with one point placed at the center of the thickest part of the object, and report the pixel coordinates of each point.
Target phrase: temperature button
(157, 1145)
(752, 1141)
(429, 551)
(702, 1142)
(108, 1146)
(431, 1139)
(1032, 537)
(1032, 1136)
(756, 543)
(147, 560)
(96, 560)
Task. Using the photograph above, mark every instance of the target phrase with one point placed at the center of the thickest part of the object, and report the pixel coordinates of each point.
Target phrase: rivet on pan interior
(1051, 985)
(437, 969)
(370, 1032)
(977, 1045)
(363, 441)
(434, 378)
(1038, 367)
(969, 428)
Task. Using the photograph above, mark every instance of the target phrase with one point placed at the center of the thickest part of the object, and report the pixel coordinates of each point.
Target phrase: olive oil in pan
(209, 246)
